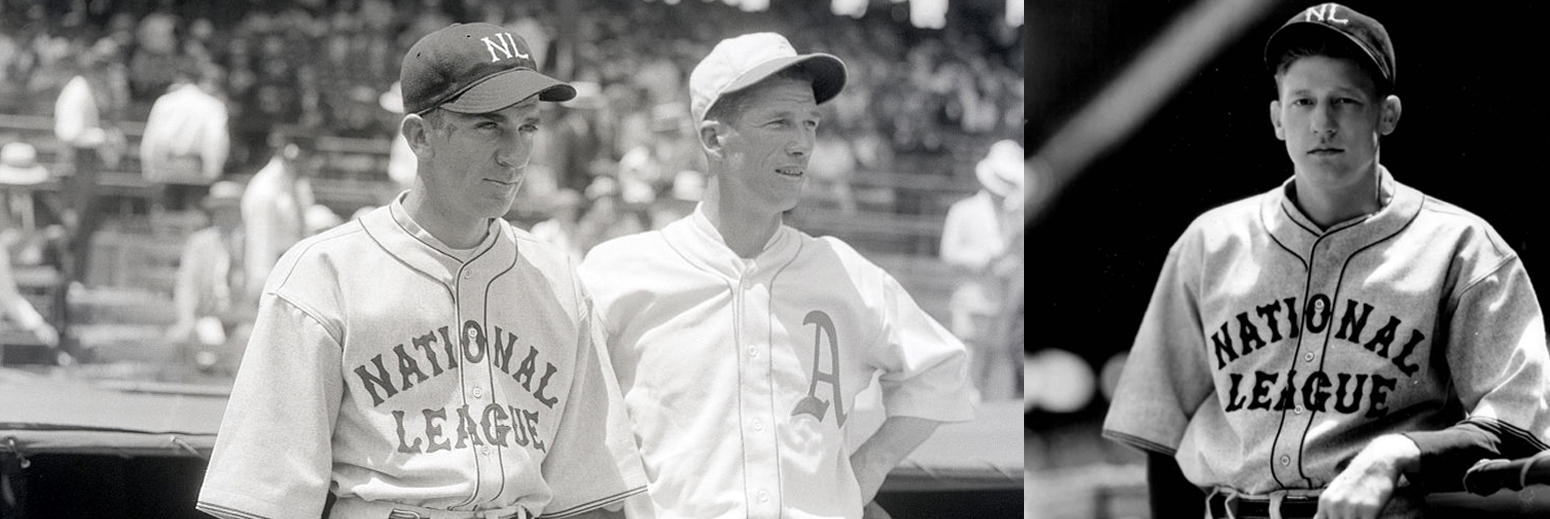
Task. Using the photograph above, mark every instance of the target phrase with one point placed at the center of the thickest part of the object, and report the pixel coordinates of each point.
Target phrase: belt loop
(1275, 504)
(1209, 498)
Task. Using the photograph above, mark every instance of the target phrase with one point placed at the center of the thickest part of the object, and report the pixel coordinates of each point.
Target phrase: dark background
(1470, 134)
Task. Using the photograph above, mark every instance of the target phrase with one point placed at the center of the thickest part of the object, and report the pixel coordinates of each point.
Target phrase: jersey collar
(399, 235)
(1295, 232)
(702, 245)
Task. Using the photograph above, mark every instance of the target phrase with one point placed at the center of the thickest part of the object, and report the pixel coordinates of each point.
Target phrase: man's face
(767, 146)
(479, 159)
(1330, 118)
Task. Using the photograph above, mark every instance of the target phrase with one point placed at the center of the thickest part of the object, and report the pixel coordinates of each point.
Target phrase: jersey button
(1286, 460)
(478, 392)
(1308, 356)
(467, 275)
(1318, 305)
(486, 450)
(764, 496)
(753, 351)
(758, 425)
(1297, 410)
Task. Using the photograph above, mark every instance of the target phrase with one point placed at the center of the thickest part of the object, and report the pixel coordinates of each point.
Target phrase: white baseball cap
(19, 165)
(740, 62)
(1001, 171)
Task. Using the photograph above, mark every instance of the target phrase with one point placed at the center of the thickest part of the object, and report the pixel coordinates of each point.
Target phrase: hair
(435, 118)
(731, 106)
(1335, 50)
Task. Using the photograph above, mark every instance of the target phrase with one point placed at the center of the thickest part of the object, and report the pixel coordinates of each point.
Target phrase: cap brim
(507, 88)
(28, 176)
(828, 75)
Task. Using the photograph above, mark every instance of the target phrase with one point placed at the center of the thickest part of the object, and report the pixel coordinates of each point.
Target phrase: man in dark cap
(428, 359)
(1343, 344)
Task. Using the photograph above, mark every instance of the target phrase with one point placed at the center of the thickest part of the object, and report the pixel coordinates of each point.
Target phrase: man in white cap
(428, 359)
(741, 343)
(977, 239)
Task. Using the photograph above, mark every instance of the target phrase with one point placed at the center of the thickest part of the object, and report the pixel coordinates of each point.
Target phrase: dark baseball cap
(1335, 23)
(474, 68)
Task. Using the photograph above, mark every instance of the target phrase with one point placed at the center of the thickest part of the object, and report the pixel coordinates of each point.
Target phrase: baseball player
(1307, 347)
(741, 343)
(428, 359)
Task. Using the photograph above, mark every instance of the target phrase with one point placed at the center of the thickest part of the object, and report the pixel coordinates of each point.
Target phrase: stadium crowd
(619, 159)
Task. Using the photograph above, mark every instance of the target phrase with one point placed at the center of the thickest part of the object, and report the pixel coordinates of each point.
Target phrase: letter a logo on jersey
(811, 404)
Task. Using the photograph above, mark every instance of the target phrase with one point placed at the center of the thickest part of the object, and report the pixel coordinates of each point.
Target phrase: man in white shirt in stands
(186, 141)
(274, 206)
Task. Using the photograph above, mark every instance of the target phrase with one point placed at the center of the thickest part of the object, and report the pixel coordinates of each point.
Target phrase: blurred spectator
(20, 173)
(21, 312)
(275, 203)
(214, 304)
(319, 218)
(186, 142)
(85, 117)
(833, 173)
(560, 228)
(402, 164)
(688, 185)
(977, 238)
(155, 61)
(606, 217)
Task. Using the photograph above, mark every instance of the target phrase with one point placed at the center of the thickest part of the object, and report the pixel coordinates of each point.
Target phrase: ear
(417, 133)
(1275, 119)
(1389, 119)
(711, 134)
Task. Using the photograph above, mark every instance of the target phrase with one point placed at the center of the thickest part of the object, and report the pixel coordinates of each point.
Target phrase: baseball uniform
(1272, 352)
(739, 373)
(388, 367)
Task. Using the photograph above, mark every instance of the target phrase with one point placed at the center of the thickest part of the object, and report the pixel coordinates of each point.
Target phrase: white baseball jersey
(386, 366)
(739, 374)
(1272, 352)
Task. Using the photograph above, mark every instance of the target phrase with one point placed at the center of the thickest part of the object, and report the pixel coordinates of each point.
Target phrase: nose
(513, 151)
(801, 144)
(1323, 121)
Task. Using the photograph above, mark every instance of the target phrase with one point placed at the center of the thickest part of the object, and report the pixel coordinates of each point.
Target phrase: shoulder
(536, 250)
(321, 256)
(1461, 234)
(625, 251)
(1227, 223)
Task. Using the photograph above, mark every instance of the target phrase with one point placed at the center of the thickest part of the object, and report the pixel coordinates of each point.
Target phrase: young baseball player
(429, 359)
(741, 343)
(1342, 344)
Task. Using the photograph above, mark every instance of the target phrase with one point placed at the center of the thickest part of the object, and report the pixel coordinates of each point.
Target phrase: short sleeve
(1166, 377)
(925, 368)
(597, 463)
(1497, 355)
(273, 454)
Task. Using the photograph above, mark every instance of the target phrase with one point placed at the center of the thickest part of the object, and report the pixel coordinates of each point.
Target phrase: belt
(353, 508)
(1291, 507)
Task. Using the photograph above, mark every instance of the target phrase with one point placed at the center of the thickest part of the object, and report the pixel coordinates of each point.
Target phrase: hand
(47, 335)
(874, 511)
(1365, 486)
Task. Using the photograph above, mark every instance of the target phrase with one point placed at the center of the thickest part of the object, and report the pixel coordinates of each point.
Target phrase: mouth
(792, 171)
(1324, 152)
(504, 183)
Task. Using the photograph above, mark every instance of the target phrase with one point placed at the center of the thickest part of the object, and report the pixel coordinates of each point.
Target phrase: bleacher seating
(126, 304)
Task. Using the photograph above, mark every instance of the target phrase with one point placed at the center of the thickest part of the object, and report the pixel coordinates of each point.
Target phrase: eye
(1302, 102)
(529, 128)
(812, 125)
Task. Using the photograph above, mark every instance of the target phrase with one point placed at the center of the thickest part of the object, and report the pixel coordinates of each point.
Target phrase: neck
(743, 225)
(454, 230)
(1329, 205)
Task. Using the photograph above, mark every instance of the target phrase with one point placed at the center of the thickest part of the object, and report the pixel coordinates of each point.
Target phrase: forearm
(1445, 455)
(898, 436)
